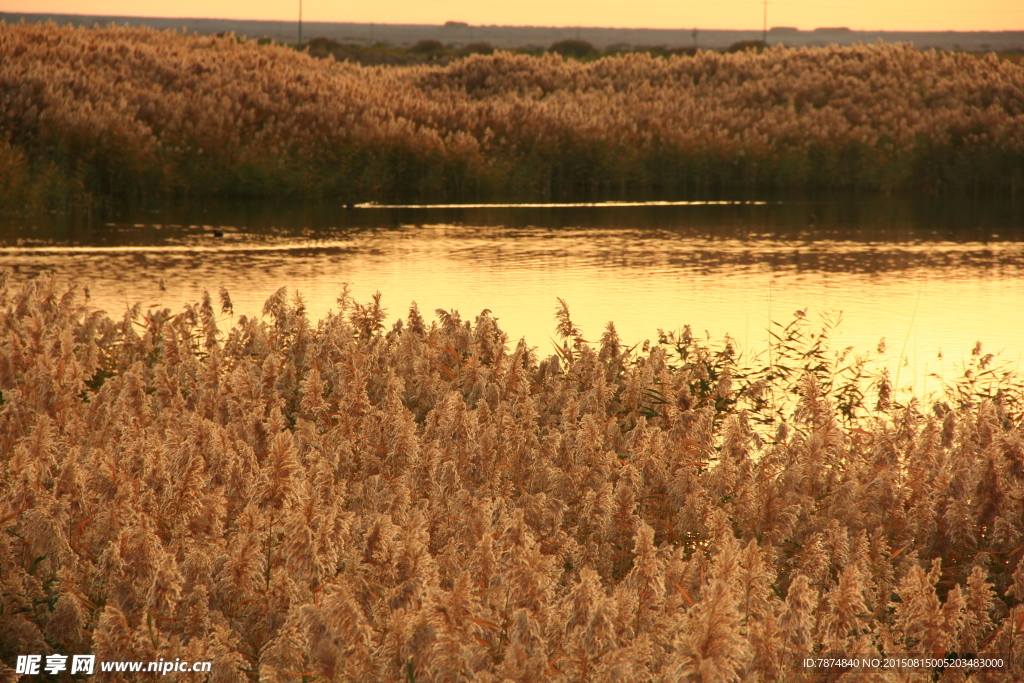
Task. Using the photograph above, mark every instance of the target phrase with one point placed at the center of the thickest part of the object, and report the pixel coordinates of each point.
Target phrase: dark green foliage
(576, 49)
(747, 45)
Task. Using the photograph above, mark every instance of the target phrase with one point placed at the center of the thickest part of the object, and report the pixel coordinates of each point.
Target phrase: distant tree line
(436, 52)
(431, 51)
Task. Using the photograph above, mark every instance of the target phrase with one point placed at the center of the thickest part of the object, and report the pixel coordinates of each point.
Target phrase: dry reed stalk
(139, 111)
(347, 503)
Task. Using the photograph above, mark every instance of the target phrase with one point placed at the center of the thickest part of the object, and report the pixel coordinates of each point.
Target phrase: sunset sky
(869, 15)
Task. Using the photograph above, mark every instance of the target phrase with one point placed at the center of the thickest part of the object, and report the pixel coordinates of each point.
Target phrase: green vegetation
(437, 53)
(380, 54)
(93, 116)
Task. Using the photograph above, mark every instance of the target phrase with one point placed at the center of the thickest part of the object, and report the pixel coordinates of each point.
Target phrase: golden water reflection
(925, 297)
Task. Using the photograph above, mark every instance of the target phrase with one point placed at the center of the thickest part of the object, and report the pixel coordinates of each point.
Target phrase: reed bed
(346, 502)
(105, 114)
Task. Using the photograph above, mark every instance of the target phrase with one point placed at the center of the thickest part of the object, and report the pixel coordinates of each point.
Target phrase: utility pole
(764, 29)
(300, 22)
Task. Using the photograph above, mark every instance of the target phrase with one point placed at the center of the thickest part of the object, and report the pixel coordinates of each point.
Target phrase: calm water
(930, 277)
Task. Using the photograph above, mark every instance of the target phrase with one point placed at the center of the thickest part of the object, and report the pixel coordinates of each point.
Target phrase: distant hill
(459, 33)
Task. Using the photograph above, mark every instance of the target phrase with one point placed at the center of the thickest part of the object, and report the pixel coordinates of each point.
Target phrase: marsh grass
(340, 501)
(116, 115)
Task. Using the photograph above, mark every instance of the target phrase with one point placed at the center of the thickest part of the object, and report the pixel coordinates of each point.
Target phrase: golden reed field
(113, 114)
(345, 502)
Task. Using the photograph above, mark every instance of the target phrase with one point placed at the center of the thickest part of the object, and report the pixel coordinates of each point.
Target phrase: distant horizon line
(463, 24)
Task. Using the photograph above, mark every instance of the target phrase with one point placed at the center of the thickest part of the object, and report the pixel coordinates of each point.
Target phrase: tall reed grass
(126, 113)
(344, 502)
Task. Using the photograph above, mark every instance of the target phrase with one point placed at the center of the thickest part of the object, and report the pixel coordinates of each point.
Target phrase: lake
(930, 276)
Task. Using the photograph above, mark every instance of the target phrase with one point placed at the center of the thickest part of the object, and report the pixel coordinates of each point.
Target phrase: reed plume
(348, 502)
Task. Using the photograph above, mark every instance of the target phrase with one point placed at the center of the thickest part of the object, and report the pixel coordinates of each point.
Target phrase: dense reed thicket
(99, 114)
(349, 503)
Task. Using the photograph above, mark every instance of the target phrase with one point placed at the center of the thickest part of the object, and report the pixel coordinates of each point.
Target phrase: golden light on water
(925, 299)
